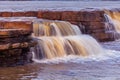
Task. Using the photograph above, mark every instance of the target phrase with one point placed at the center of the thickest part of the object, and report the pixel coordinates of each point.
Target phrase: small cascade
(58, 39)
(113, 18)
(55, 29)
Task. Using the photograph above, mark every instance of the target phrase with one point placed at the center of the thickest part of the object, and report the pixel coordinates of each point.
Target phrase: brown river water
(91, 69)
(104, 67)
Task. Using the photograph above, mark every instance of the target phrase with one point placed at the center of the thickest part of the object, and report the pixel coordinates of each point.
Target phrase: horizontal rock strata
(15, 41)
(16, 29)
(91, 21)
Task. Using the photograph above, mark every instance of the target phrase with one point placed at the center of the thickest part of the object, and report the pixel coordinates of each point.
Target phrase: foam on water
(61, 42)
(108, 55)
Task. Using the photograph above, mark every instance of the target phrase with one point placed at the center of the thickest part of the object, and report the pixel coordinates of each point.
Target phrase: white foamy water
(107, 55)
(67, 44)
(113, 18)
(106, 68)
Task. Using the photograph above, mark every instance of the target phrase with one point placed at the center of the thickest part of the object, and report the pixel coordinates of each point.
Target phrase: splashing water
(57, 28)
(113, 18)
(59, 39)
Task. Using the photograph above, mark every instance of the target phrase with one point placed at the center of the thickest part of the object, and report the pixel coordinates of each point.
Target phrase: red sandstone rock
(94, 25)
(5, 33)
(6, 14)
(14, 39)
(18, 14)
(72, 22)
(26, 25)
(18, 45)
(52, 15)
(24, 45)
(4, 46)
(103, 36)
(70, 16)
(92, 16)
(83, 15)
(14, 57)
(1, 25)
(96, 31)
(16, 23)
(31, 14)
(15, 45)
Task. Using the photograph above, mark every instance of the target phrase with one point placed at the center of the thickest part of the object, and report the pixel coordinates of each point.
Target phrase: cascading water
(113, 18)
(57, 39)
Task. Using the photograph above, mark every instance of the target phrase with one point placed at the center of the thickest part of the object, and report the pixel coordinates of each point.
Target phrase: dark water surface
(108, 69)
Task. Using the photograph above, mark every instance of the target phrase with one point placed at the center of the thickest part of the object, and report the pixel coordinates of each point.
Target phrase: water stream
(74, 69)
(63, 53)
(60, 39)
(112, 17)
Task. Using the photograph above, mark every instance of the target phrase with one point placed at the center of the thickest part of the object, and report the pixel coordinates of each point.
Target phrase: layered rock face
(15, 31)
(91, 21)
(15, 41)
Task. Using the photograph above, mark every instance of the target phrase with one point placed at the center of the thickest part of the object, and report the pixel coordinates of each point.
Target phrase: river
(106, 67)
(55, 5)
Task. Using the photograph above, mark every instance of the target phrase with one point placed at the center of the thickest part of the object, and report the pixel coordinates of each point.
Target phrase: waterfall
(57, 28)
(57, 39)
(113, 18)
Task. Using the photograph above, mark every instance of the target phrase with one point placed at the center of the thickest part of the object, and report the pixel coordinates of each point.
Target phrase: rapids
(57, 39)
(71, 67)
(78, 69)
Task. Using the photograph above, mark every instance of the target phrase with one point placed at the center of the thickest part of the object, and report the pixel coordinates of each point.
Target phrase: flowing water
(70, 68)
(112, 17)
(63, 53)
(57, 39)
(67, 54)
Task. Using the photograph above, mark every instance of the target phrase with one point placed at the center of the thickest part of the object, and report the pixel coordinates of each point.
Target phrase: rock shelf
(15, 41)
(16, 29)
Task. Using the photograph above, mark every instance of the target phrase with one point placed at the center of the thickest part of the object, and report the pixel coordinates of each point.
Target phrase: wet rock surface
(15, 41)
(84, 70)
(91, 20)
(16, 27)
